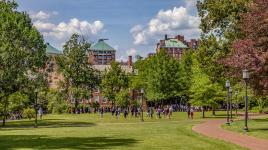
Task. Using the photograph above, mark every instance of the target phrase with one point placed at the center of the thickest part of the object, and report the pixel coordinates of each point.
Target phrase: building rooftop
(52, 50)
(102, 46)
(169, 43)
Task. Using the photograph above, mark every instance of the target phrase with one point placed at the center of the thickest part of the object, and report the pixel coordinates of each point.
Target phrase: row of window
(103, 52)
(104, 57)
(95, 99)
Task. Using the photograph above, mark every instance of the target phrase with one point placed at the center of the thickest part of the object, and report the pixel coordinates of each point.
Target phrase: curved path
(212, 128)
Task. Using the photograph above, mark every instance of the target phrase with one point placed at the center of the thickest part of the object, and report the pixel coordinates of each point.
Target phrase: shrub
(265, 110)
(257, 109)
(28, 113)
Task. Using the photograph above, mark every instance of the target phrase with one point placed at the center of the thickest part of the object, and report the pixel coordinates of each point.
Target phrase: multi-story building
(101, 53)
(174, 46)
(193, 43)
(53, 77)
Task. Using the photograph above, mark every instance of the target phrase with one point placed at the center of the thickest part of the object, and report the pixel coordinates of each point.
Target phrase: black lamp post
(142, 92)
(246, 78)
(227, 85)
(236, 107)
(230, 104)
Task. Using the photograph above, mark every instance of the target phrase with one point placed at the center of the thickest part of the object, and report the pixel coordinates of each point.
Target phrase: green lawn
(88, 131)
(257, 127)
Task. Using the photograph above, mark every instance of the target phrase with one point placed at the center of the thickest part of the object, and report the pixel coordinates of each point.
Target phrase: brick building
(174, 46)
(53, 77)
(100, 55)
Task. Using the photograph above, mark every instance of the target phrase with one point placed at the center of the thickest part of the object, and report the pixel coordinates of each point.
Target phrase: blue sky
(132, 26)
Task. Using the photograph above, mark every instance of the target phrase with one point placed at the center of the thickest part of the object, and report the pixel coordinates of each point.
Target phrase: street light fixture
(142, 92)
(230, 104)
(246, 78)
(227, 85)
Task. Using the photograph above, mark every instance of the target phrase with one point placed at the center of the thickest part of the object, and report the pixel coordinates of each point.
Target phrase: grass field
(88, 131)
(257, 127)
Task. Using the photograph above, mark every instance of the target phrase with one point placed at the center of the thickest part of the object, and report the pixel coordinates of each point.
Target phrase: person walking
(170, 112)
(40, 113)
(192, 113)
(125, 113)
(101, 111)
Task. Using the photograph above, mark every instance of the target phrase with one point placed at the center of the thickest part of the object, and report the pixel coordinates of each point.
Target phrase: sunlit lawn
(89, 131)
(257, 127)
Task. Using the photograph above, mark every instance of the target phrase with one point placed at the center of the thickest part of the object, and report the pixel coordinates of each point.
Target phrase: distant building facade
(176, 45)
(101, 53)
(53, 77)
(100, 56)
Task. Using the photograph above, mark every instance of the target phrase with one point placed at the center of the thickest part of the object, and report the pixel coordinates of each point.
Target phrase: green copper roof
(102, 46)
(52, 50)
(174, 43)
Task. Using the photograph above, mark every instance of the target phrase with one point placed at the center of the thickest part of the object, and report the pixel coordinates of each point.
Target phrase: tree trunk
(5, 112)
(213, 111)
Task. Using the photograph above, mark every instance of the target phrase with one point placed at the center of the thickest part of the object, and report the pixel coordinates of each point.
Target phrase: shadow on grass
(260, 120)
(48, 123)
(45, 142)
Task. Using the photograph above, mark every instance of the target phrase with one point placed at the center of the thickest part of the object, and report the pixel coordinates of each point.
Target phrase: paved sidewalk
(212, 128)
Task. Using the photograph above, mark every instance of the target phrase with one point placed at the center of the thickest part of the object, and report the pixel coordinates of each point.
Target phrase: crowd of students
(160, 111)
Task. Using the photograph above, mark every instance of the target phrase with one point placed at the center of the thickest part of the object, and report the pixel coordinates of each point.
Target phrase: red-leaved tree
(251, 51)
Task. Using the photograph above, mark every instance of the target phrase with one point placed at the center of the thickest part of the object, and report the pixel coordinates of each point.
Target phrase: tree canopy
(22, 50)
(79, 76)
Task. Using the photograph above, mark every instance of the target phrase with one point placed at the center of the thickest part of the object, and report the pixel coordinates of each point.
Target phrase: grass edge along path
(212, 128)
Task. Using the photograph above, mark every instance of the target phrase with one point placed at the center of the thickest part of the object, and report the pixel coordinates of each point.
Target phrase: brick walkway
(212, 128)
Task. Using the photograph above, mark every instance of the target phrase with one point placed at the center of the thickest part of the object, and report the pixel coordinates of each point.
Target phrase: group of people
(165, 111)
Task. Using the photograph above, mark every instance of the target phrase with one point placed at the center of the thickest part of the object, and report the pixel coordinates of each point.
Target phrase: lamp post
(142, 92)
(230, 104)
(236, 107)
(246, 78)
(227, 85)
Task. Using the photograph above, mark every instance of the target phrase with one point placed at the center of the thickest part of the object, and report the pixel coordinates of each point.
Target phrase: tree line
(233, 38)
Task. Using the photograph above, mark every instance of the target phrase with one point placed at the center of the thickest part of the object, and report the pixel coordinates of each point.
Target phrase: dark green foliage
(113, 81)
(22, 49)
(56, 102)
(123, 98)
(79, 76)
(160, 75)
(187, 73)
(28, 113)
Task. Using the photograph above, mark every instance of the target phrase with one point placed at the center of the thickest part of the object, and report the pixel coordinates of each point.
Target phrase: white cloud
(132, 52)
(41, 15)
(64, 30)
(121, 59)
(172, 21)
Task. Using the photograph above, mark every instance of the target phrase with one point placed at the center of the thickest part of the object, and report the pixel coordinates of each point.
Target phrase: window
(96, 98)
(104, 99)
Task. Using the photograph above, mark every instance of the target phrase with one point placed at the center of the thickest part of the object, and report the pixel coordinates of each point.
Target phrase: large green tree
(22, 49)
(187, 73)
(161, 76)
(203, 92)
(219, 21)
(79, 76)
(113, 81)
